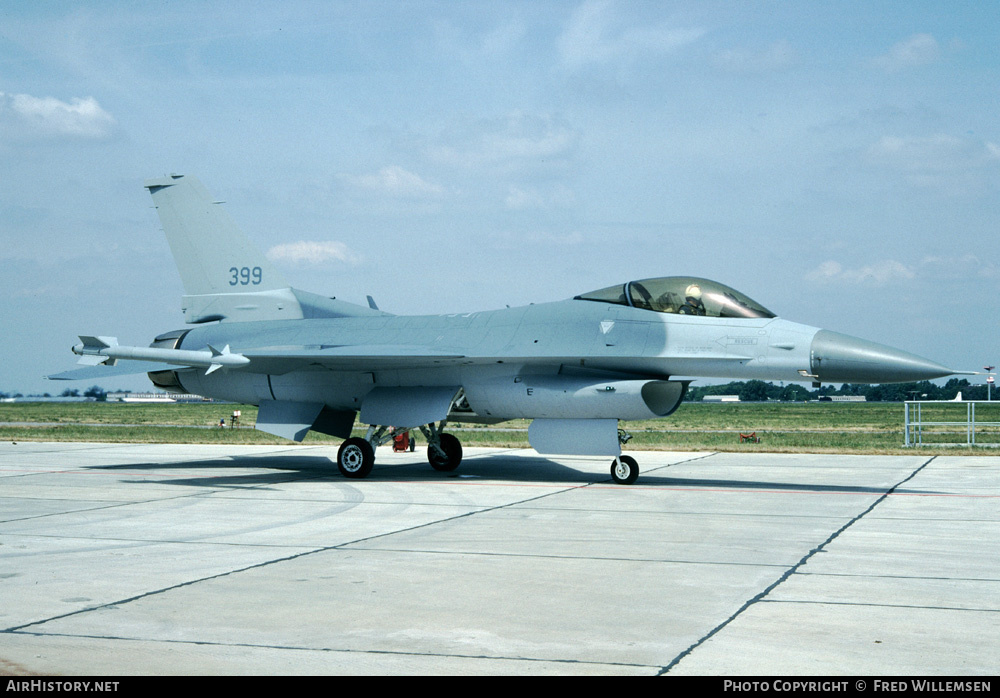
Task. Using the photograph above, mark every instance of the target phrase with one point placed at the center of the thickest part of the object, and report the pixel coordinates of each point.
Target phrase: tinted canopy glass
(683, 295)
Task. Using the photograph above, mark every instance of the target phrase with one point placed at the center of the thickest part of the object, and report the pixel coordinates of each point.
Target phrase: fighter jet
(576, 367)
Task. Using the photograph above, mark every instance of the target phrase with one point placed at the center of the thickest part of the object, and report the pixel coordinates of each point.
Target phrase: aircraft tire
(452, 448)
(625, 470)
(356, 458)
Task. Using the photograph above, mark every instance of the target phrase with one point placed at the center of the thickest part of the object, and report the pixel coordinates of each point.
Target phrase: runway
(120, 559)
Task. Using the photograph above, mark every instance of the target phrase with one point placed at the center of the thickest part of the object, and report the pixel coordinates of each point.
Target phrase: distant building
(721, 398)
(155, 397)
(140, 397)
(61, 398)
(848, 398)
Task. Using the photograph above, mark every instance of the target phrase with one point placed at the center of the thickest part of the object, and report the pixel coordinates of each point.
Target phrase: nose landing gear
(624, 470)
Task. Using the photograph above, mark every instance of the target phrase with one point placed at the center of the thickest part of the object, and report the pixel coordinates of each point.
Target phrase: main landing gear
(356, 456)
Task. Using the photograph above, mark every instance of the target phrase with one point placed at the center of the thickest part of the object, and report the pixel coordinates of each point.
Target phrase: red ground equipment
(401, 442)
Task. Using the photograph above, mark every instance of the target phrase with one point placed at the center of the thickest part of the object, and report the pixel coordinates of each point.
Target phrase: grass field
(862, 428)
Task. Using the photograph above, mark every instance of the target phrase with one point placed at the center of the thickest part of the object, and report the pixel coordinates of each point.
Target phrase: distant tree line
(760, 391)
(94, 391)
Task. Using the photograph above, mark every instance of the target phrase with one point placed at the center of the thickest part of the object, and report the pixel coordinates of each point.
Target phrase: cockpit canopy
(684, 295)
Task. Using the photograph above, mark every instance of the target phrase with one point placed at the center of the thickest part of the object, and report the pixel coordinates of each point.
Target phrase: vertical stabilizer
(225, 277)
(212, 254)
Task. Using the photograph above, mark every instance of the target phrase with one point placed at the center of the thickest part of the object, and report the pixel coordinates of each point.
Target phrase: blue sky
(838, 162)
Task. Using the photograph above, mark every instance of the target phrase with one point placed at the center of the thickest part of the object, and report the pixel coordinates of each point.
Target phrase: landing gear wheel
(355, 458)
(624, 470)
(452, 448)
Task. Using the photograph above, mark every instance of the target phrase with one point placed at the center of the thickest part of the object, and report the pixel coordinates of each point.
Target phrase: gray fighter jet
(575, 367)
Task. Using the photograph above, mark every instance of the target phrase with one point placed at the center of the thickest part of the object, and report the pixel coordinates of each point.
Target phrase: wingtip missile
(94, 350)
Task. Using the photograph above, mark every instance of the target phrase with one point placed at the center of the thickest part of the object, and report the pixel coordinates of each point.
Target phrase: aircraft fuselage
(571, 338)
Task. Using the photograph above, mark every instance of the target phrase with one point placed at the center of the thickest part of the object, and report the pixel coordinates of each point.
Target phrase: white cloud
(394, 181)
(878, 274)
(49, 117)
(523, 199)
(921, 155)
(977, 266)
(943, 162)
(312, 252)
(919, 49)
(592, 38)
(932, 269)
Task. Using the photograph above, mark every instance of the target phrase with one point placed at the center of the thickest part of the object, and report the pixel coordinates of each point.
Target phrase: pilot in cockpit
(693, 304)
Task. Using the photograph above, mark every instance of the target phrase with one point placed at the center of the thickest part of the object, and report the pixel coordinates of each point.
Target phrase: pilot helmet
(693, 291)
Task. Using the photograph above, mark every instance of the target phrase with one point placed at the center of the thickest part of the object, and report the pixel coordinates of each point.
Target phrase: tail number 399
(245, 276)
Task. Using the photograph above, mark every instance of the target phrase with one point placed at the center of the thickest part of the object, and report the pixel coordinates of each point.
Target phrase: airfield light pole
(989, 382)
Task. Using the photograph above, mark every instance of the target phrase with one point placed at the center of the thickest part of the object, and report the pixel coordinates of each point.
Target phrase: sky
(837, 162)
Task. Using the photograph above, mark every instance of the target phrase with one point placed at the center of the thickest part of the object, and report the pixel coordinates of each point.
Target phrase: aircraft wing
(105, 358)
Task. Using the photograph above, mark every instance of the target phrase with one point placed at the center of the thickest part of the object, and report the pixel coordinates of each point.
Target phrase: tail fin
(225, 277)
(212, 254)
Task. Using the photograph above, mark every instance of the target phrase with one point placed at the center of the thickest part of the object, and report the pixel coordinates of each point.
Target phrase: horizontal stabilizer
(100, 371)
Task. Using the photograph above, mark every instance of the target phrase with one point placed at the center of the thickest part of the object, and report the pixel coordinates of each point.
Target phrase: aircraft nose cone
(840, 358)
